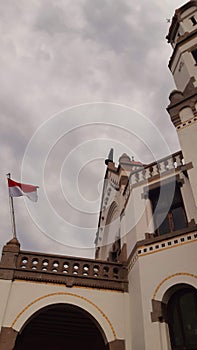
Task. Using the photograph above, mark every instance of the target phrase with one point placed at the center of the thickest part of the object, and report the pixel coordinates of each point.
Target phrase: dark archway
(60, 327)
(182, 318)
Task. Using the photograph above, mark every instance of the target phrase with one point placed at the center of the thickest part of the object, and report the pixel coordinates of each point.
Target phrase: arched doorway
(60, 327)
(182, 318)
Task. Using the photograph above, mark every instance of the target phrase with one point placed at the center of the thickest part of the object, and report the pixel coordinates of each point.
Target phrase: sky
(77, 78)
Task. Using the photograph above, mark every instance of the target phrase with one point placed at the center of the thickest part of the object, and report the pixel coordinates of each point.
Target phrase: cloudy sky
(77, 78)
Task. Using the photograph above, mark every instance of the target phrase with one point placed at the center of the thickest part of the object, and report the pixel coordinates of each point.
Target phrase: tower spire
(110, 157)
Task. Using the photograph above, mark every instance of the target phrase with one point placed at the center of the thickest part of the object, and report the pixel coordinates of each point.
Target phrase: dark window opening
(193, 19)
(116, 248)
(168, 208)
(182, 319)
(194, 54)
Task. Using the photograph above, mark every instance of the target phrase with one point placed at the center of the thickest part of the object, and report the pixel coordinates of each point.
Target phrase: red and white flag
(17, 189)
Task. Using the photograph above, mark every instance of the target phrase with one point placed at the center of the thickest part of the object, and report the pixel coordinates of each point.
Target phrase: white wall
(109, 308)
(188, 142)
(157, 272)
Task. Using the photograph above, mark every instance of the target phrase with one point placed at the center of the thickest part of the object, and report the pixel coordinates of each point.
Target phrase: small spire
(132, 158)
(110, 157)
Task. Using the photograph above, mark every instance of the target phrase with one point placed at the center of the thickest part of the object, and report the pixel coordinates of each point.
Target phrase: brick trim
(117, 345)
(7, 338)
(159, 311)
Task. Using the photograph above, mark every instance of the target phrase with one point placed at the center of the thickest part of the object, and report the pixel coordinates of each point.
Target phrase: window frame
(193, 20)
(177, 203)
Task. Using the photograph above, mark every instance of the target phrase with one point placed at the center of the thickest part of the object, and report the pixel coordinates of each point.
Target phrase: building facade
(139, 293)
(148, 214)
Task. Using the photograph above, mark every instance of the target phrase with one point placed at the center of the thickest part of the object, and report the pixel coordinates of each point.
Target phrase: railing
(156, 169)
(71, 271)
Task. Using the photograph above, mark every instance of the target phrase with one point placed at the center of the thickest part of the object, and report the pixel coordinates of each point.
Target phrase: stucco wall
(151, 276)
(25, 298)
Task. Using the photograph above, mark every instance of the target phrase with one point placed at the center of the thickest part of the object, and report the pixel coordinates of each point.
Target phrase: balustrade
(80, 271)
(169, 163)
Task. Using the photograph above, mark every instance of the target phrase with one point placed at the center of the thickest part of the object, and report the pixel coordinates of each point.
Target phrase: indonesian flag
(17, 189)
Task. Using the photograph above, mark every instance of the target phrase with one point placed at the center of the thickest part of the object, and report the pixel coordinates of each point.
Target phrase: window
(193, 19)
(194, 54)
(168, 209)
(182, 319)
(116, 248)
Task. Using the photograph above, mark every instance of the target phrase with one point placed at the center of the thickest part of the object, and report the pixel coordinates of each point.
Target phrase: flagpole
(12, 212)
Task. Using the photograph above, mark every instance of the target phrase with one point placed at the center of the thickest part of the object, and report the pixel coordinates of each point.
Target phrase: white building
(149, 214)
(139, 293)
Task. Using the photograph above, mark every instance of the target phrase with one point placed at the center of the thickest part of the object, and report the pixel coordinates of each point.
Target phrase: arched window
(182, 319)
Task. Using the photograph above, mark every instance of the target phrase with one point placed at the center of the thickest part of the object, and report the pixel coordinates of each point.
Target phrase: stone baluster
(178, 160)
(155, 169)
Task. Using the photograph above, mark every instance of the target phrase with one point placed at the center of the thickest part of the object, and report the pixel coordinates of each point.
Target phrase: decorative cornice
(177, 18)
(180, 41)
(156, 244)
(180, 100)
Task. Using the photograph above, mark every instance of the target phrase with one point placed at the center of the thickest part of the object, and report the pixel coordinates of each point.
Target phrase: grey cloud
(55, 54)
(51, 19)
(106, 23)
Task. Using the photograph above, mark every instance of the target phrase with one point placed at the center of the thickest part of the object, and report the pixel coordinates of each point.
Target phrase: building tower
(183, 65)
(148, 214)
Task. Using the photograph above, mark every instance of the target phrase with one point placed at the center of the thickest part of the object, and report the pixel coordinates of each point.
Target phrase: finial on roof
(110, 157)
(124, 158)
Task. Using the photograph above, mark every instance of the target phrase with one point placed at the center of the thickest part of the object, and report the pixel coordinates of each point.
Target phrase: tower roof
(126, 160)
